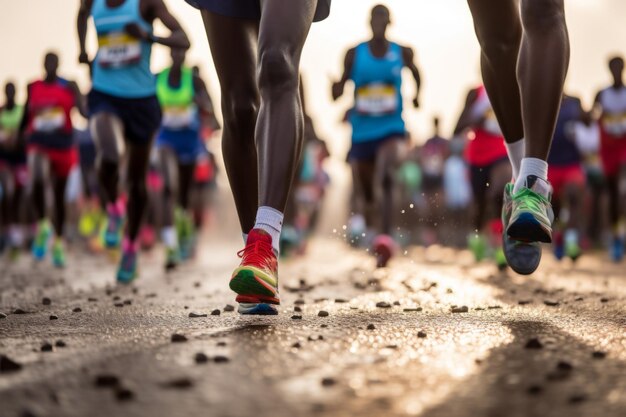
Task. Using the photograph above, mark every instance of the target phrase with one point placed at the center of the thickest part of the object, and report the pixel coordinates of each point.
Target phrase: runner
(525, 56)
(52, 155)
(379, 137)
(489, 171)
(256, 47)
(13, 173)
(183, 96)
(568, 180)
(124, 109)
(612, 102)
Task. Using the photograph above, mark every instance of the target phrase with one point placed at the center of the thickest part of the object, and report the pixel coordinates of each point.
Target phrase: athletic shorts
(612, 153)
(141, 116)
(250, 9)
(367, 151)
(562, 176)
(62, 161)
(13, 157)
(480, 176)
(186, 144)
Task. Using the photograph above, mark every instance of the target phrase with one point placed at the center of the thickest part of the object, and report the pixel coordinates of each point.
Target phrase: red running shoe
(256, 279)
(383, 248)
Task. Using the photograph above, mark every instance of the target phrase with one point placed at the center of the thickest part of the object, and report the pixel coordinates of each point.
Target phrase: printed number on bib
(178, 117)
(49, 120)
(615, 125)
(376, 99)
(118, 50)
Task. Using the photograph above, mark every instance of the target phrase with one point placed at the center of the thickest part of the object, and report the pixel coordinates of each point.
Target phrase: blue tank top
(564, 150)
(377, 111)
(122, 65)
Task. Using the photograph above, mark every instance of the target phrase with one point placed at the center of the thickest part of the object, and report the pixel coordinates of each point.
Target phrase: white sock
(170, 237)
(271, 221)
(531, 166)
(516, 152)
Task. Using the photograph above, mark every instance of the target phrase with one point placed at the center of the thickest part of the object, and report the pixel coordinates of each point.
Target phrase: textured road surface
(550, 345)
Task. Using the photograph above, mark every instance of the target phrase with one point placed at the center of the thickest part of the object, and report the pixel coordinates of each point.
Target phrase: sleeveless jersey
(49, 108)
(10, 121)
(613, 121)
(486, 144)
(122, 65)
(377, 111)
(179, 109)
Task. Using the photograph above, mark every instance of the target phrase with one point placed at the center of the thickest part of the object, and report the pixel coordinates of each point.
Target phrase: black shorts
(367, 151)
(250, 9)
(141, 116)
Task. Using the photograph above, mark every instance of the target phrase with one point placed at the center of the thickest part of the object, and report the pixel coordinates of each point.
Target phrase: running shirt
(177, 103)
(433, 156)
(564, 150)
(49, 108)
(122, 65)
(613, 102)
(377, 111)
(10, 120)
(486, 144)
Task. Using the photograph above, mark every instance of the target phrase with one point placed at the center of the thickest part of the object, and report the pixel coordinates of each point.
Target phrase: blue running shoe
(42, 237)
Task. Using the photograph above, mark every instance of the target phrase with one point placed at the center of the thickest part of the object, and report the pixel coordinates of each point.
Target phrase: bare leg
(138, 160)
(108, 133)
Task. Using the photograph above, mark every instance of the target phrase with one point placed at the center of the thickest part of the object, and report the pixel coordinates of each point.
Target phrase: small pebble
(46, 301)
(3, 316)
(228, 308)
(371, 327)
(598, 355)
(178, 338)
(340, 300)
(322, 313)
(533, 343)
(296, 317)
(564, 366)
(216, 312)
(196, 315)
(421, 334)
(299, 302)
(323, 326)
(92, 300)
(128, 302)
(383, 304)
(535, 389)
(77, 310)
(196, 285)
(462, 309)
(53, 317)
(410, 310)
(47, 347)
(221, 344)
(221, 359)
(296, 345)
(124, 394)
(19, 311)
(579, 299)
(297, 309)
(524, 302)
(117, 298)
(578, 398)
(180, 383)
(60, 343)
(396, 303)
(604, 300)
(119, 305)
(328, 382)
(494, 307)
(551, 303)
(8, 365)
(201, 358)
(106, 380)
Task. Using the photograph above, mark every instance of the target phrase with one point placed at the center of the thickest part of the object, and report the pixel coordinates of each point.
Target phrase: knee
(239, 108)
(278, 71)
(539, 16)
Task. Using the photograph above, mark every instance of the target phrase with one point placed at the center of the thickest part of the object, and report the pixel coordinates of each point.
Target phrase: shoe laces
(257, 253)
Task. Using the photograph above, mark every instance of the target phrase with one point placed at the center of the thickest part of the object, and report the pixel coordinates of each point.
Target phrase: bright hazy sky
(440, 31)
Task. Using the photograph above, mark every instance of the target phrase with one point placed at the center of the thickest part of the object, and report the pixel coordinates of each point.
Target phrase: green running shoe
(172, 258)
(522, 257)
(531, 214)
(42, 236)
(477, 243)
(58, 254)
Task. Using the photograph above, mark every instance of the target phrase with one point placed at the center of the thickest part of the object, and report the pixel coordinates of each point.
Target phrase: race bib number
(49, 120)
(118, 49)
(178, 117)
(615, 125)
(376, 99)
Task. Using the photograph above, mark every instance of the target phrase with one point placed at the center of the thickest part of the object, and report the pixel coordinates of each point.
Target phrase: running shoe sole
(523, 258)
(251, 281)
(526, 228)
(258, 309)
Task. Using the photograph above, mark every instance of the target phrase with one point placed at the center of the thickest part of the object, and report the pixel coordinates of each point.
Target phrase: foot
(531, 214)
(40, 243)
(478, 245)
(383, 248)
(500, 259)
(127, 270)
(113, 230)
(172, 258)
(147, 237)
(186, 234)
(256, 279)
(58, 254)
(522, 257)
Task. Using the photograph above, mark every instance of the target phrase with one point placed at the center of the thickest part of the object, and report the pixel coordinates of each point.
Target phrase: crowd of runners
(526, 164)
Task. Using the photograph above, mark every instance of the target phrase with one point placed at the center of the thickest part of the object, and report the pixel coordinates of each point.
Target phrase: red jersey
(486, 142)
(49, 108)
